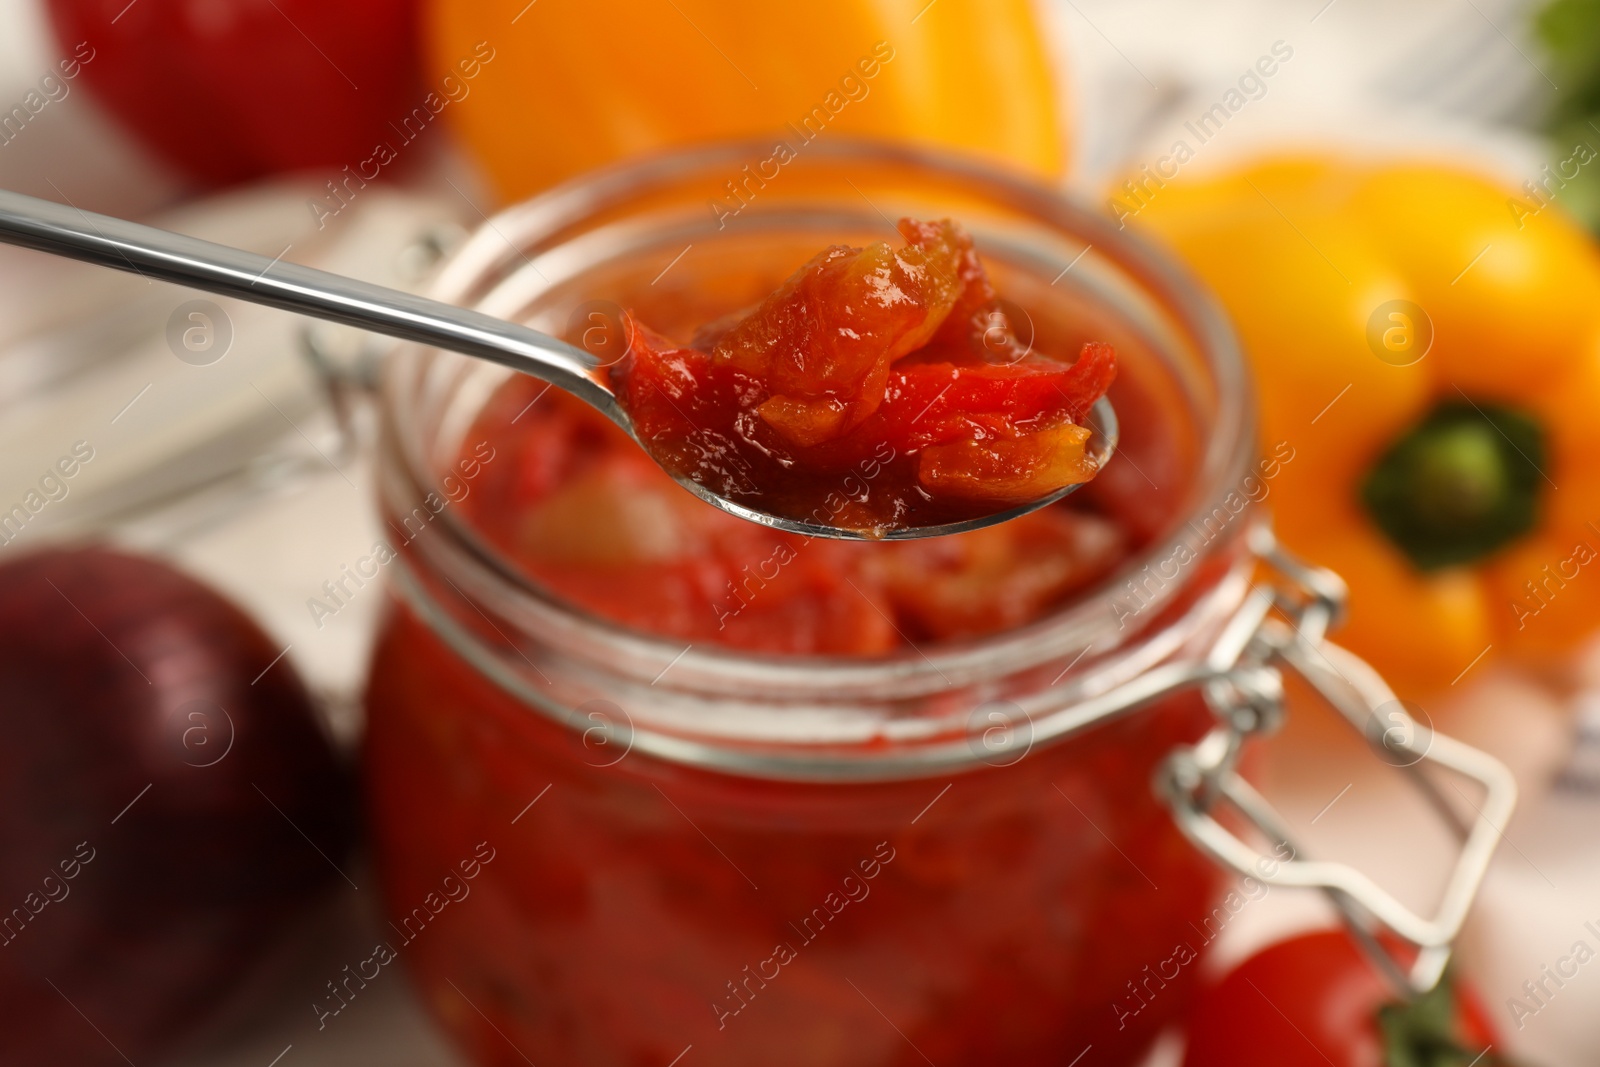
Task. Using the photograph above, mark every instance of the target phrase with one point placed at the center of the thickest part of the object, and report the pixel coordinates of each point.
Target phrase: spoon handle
(170, 257)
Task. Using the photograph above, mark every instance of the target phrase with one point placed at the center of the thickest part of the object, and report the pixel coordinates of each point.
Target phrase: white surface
(1418, 73)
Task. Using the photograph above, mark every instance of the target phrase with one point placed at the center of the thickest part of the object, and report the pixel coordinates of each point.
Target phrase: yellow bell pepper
(575, 84)
(1430, 348)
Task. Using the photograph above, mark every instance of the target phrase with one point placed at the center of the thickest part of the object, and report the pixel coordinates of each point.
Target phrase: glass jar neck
(814, 716)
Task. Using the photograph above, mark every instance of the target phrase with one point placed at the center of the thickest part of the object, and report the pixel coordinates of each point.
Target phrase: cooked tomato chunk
(877, 388)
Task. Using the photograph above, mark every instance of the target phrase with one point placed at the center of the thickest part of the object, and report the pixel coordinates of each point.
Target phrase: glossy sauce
(876, 388)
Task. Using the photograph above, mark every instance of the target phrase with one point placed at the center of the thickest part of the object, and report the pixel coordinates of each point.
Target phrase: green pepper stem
(1460, 485)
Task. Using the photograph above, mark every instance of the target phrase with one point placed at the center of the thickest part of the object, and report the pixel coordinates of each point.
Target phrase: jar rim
(1229, 447)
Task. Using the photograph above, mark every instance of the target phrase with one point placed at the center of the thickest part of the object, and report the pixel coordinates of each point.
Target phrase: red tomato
(228, 90)
(1315, 1001)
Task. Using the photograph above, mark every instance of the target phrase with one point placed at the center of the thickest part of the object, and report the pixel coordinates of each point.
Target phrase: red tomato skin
(231, 90)
(1310, 1001)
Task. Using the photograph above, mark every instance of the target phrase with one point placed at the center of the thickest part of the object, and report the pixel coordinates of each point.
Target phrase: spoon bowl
(1101, 446)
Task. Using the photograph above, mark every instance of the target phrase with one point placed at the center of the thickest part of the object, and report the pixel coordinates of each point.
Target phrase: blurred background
(369, 137)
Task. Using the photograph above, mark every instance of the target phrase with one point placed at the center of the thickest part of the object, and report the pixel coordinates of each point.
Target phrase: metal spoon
(170, 257)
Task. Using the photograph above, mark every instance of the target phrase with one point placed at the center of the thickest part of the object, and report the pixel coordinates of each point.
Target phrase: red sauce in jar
(643, 912)
(573, 500)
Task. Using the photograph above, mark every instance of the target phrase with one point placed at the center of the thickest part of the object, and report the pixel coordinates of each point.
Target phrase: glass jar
(601, 847)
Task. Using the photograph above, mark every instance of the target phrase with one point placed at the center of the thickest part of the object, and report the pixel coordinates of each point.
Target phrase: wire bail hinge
(1282, 624)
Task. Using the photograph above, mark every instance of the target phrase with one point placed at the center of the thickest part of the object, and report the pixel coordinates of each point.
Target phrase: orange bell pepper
(575, 84)
(1431, 350)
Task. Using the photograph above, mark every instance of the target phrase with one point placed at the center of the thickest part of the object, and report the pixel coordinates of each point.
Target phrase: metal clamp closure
(1282, 625)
